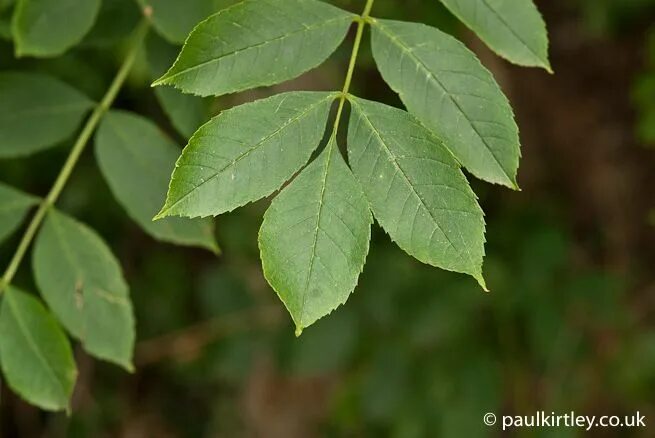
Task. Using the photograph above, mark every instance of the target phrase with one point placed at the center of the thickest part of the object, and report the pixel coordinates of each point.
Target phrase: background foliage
(568, 326)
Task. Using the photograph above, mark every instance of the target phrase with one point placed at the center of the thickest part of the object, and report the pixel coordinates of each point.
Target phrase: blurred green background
(416, 352)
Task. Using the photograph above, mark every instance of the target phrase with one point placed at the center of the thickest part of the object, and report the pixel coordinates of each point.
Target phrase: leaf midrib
(72, 259)
(79, 272)
(146, 166)
(167, 78)
(45, 111)
(511, 29)
(319, 213)
(248, 151)
(409, 183)
(33, 346)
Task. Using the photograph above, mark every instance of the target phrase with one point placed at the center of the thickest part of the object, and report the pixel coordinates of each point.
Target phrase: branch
(189, 341)
(74, 155)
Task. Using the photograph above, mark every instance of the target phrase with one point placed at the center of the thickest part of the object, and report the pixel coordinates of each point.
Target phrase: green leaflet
(36, 112)
(255, 43)
(174, 19)
(513, 29)
(82, 283)
(416, 189)
(137, 159)
(14, 205)
(444, 85)
(246, 153)
(186, 112)
(36, 357)
(46, 28)
(315, 237)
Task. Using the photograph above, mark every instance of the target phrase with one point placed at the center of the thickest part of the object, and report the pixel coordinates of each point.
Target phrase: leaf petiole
(361, 23)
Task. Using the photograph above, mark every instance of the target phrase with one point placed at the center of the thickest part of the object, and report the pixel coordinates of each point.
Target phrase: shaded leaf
(36, 112)
(444, 85)
(14, 205)
(246, 153)
(416, 189)
(137, 159)
(82, 283)
(514, 30)
(116, 21)
(46, 28)
(174, 19)
(315, 237)
(36, 358)
(186, 112)
(255, 43)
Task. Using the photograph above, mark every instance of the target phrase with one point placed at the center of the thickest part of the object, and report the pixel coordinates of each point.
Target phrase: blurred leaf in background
(417, 352)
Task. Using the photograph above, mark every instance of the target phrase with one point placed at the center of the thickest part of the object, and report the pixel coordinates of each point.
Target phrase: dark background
(416, 351)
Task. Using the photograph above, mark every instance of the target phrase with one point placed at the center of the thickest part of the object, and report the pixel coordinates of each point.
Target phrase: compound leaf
(36, 112)
(47, 28)
(416, 189)
(315, 237)
(186, 112)
(82, 283)
(137, 159)
(255, 43)
(246, 153)
(35, 354)
(14, 205)
(444, 85)
(513, 29)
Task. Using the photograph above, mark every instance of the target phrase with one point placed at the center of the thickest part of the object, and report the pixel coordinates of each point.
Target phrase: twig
(74, 155)
(187, 342)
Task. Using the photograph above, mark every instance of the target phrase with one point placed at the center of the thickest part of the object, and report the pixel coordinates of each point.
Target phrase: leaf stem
(74, 155)
(361, 23)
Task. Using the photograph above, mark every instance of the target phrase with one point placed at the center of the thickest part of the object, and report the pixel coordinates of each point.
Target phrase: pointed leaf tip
(158, 82)
(159, 216)
(514, 30)
(481, 281)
